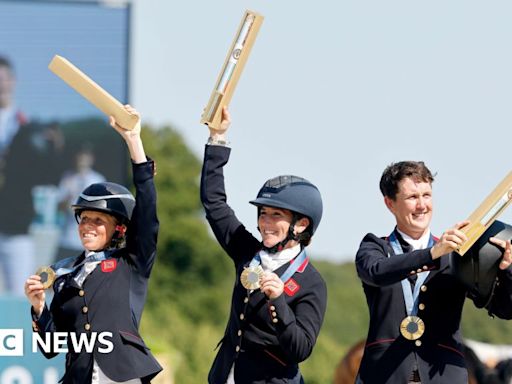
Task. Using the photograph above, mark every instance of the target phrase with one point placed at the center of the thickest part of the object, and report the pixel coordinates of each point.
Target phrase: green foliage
(190, 289)
(188, 299)
(346, 303)
(319, 367)
(345, 323)
(188, 258)
(478, 325)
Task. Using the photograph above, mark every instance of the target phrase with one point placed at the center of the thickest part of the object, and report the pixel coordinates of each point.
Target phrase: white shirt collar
(271, 262)
(420, 243)
(87, 268)
(89, 253)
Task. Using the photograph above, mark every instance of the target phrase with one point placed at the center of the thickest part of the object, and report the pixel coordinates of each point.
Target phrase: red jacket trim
(303, 266)
(451, 349)
(275, 358)
(379, 342)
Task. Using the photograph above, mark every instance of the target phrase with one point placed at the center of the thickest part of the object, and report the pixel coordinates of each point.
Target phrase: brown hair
(396, 172)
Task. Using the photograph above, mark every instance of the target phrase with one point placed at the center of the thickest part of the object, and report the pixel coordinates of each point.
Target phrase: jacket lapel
(70, 280)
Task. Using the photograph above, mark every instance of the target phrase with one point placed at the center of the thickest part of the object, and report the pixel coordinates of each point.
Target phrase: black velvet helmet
(293, 193)
(110, 198)
(478, 268)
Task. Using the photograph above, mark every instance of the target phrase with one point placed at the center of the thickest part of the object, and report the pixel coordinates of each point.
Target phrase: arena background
(343, 77)
(95, 37)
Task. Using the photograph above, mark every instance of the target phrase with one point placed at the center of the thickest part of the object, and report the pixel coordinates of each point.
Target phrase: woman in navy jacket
(103, 290)
(279, 298)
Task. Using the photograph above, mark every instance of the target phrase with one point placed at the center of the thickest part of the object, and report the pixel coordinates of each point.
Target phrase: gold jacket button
(237, 348)
(239, 332)
(81, 292)
(423, 288)
(87, 326)
(421, 306)
(85, 309)
(425, 267)
(418, 343)
(242, 316)
(419, 270)
(246, 300)
(274, 314)
(274, 320)
(272, 308)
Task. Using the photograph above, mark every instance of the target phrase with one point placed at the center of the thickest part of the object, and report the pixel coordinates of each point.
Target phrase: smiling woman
(274, 224)
(103, 290)
(279, 298)
(96, 230)
(102, 212)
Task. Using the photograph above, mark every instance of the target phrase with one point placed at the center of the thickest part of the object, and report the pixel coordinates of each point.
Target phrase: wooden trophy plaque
(86, 87)
(487, 213)
(232, 69)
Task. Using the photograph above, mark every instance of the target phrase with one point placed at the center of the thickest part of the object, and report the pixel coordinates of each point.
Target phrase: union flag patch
(108, 265)
(291, 287)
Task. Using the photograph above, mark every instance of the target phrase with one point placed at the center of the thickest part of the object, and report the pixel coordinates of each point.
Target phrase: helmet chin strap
(280, 246)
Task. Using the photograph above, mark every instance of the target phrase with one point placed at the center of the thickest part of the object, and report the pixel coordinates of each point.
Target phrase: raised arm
(143, 229)
(131, 137)
(228, 230)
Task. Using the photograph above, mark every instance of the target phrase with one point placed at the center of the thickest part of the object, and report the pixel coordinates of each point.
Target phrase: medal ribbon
(63, 267)
(411, 297)
(292, 268)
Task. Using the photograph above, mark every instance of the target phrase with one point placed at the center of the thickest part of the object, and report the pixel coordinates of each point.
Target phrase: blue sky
(336, 90)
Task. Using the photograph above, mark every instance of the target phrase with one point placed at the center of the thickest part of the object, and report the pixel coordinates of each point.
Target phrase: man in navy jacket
(415, 301)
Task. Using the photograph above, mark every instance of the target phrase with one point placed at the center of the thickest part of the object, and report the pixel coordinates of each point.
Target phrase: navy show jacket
(389, 358)
(111, 299)
(265, 339)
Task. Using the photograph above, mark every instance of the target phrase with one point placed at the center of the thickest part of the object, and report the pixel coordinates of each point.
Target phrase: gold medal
(250, 277)
(47, 276)
(412, 327)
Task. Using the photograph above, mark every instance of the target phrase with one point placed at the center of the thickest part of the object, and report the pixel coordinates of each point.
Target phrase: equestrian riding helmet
(293, 193)
(107, 197)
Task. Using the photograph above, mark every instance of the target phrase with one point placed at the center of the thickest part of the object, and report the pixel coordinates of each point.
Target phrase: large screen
(53, 142)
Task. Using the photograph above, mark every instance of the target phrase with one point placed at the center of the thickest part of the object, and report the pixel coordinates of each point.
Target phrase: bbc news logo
(11, 342)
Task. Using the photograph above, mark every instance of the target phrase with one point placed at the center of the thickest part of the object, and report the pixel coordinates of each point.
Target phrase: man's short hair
(396, 172)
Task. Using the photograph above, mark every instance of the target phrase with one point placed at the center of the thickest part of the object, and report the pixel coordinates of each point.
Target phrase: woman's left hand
(271, 285)
(507, 253)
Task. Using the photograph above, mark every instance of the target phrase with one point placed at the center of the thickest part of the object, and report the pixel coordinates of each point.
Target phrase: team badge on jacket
(108, 265)
(291, 287)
